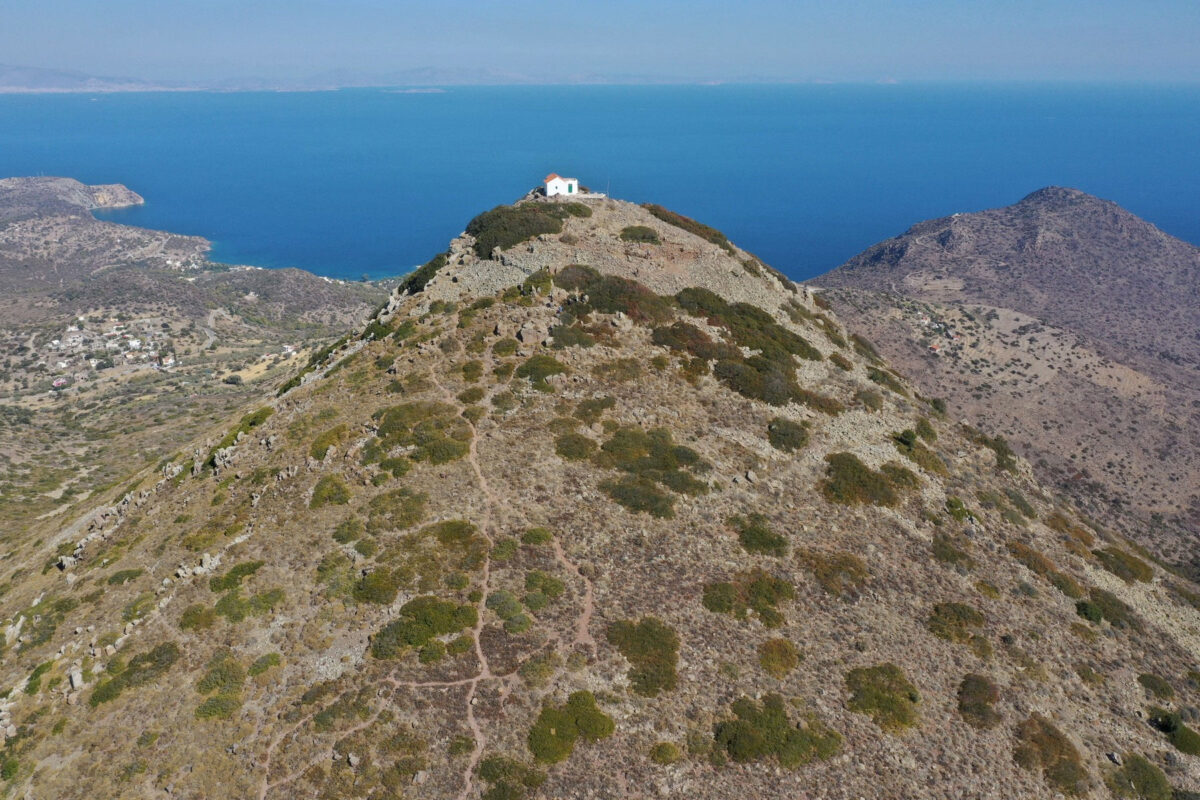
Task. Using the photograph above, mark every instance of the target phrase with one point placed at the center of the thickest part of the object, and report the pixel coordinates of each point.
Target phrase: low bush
(849, 481)
(640, 495)
(1156, 686)
(763, 730)
(691, 226)
(954, 623)
(264, 663)
(840, 574)
(1040, 746)
(665, 753)
(419, 621)
(141, 669)
(505, 347)
(574, 447)
(884, 693)
(1102, 604)
(330, 490)
(756, 590)
(506, 226)
(951, 550)
(124, 576)
(755, 534)
(416, 280)
(197, 617)
(379, 586)
(786, 435)
(652, 649)
(778, 657)
(553, 736)
(509, 778)
(538, 368)
(571, 336)
(1139, 779)
(1181, 737)
(977, 696)
(233, 578)
(1125, 566)
(320, 446)
(910, 447)
(641, 234)
(887, 380)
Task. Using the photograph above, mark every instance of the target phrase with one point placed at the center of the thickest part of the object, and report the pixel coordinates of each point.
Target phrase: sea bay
(373, 182)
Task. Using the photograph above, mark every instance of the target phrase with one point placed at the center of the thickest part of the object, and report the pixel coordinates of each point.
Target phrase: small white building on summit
(556, 185)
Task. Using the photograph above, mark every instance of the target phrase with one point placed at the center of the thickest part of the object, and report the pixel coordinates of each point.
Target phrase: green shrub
(554, 734)
(640, 495)
(885, 694)
(141, 669)
(222, 706)
(320, 446)
(509, 779)
(236, 608)
(224, 675)
(953, 621)
(652, 649)
(395, 510)
(420, 620)
(1156, 686)
(849, 481)
(538, 368)
(435, 431)
(886, 379)
(864, 348)
(197, 617)
(684, 337)
(505, 347)
(233, 578)
(786, 435)
(760, 731)
(571, 336)
(507, 226)
(756, 536)
(946, 550)
(778, 657)
(1125, 566)
(870, 399)
(755, 590)
(1106, 605)
(244, 426)
(665, 753)
(537, 536)
(590, 410)
(264, 663)
(378, 586)
(124, 576)
(841, 362)
(1089, 611)
(1181, 737)
(574, 447)
(907, 443)
(415, 281)
(749, 326)
(641, 234)
(1138, 778)
(330, 490)
(1018, 500)
(977, 697)
(691, 226)
(471, 396)
(838, 573)
(608, 294)
(1040, 746)
(925, 430)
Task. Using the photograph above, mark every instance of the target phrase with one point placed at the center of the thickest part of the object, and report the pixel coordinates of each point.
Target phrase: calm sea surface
(373, 182)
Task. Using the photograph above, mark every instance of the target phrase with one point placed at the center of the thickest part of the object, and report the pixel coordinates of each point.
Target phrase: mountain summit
(1066, 324)
(597, 505)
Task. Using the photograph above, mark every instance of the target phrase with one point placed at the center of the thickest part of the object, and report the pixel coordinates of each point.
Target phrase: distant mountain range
(22, 80)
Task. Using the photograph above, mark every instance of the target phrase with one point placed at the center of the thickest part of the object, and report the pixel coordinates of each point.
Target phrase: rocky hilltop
(1065, 324)
(597, 506)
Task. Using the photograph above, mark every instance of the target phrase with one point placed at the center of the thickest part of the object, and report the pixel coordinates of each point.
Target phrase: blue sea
(373, 182)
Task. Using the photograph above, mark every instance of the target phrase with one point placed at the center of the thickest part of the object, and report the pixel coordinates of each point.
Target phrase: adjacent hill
(597, 506)
(1067, 325)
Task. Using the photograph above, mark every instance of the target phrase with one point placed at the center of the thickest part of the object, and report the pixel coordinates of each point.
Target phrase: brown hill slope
(551, 532)
(1065, 324)
(119, 344)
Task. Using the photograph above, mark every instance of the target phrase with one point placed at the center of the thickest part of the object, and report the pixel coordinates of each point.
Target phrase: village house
(556, 185)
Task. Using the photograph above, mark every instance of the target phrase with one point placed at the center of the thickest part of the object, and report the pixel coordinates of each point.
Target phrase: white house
(556, 184)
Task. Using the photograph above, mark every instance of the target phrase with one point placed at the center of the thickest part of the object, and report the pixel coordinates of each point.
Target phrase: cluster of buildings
(941, 330)
(84, 346)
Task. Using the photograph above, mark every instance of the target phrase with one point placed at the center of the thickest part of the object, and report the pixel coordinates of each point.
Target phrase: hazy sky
(206, 40)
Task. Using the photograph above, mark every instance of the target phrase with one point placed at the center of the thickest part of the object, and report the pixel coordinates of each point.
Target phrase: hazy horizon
(210, 42)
